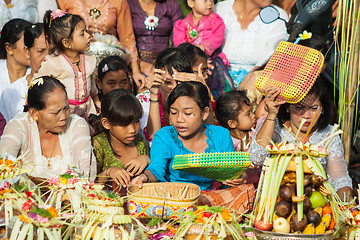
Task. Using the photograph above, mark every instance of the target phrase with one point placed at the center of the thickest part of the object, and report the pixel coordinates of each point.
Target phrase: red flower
(28, 194)
(27, 205)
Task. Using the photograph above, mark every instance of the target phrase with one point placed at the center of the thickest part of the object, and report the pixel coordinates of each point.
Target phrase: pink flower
(144, 98)
(5, 184)
(57, 13)
(54, 181)
(72, 180)
(41, 219)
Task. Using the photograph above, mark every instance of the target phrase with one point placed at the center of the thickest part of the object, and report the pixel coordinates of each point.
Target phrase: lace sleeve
(81, 147)
(11, 140)
(336, 166)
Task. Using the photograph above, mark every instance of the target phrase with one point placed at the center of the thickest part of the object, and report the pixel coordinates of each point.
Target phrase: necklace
(151, 21)
(48, 159)
(77, 64)
(95, 12)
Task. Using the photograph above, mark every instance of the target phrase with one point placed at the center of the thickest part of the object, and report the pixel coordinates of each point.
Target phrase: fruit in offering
(281, 225)
(317, 199)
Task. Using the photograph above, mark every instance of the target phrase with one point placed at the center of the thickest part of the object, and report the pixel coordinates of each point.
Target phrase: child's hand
(271, 105)
(236, 182)
(137, 165)
(139, 180)
(210, 66)
(154, 81)
(184, 76)
(120, 176)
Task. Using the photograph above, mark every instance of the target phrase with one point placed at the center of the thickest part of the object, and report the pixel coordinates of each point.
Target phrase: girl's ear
(191, 3)
(232, 124)
(66, 42)
(98, 82)
(9, 49)
(205, 113)
(105, 123)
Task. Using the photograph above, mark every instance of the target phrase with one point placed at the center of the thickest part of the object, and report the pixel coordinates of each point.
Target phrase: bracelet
(271, 119)
(147, 177)
(154, 100)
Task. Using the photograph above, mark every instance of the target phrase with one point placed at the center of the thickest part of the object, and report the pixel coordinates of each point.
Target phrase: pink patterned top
(208, 32)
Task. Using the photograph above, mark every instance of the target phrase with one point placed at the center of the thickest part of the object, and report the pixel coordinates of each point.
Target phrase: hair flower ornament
(303, 36)
(55, 14)
(105, 68)
(37, 81)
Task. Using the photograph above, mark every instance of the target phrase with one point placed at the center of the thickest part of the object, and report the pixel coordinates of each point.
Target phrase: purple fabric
(168, 13)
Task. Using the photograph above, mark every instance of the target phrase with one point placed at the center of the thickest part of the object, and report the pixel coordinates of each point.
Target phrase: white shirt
(247, 48)
(13, 99)
(4, 75)
(30, 10)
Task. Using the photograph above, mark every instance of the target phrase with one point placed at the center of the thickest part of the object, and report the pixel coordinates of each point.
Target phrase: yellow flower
(225, 214)
(22, 218)
(63, 180)
(53, 212)
(305, 35)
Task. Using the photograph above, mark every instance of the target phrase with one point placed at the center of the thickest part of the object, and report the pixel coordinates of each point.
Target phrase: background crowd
(123, 118)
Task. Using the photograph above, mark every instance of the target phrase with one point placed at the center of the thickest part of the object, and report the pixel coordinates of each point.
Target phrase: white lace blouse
(21, 137)
(247, 48)
(334, 164)
(30, 10)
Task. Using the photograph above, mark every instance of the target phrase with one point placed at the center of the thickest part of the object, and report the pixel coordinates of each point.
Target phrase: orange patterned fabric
(240, 198)
(114, 18)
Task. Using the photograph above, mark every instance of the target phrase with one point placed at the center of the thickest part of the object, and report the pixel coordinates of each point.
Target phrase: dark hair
(113, 63)
(120, 107)
(328, 116)
(31, 33)
(173, 58)
(195, 90)
(11, 33)
(194, 53)
(316, 42)
(228, 106)
(188, 7)
(60, 28)
(37, 93)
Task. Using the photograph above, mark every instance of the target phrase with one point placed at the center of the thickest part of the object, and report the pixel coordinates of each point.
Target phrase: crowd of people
(123, 120)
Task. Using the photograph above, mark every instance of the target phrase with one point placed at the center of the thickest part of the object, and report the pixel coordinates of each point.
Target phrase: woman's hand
(184, 76)
(236, 182)
(120, 176)
(139, 79)
(137, 165)
(139, 180)
(271, 105)
(154, 81)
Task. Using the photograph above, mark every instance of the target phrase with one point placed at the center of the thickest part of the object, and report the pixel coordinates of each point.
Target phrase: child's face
(245, 119)
(187, 117)
(114, 80)
(201, 7)
(124, 134)
(168, 85)
(203, 69)
(80, 41)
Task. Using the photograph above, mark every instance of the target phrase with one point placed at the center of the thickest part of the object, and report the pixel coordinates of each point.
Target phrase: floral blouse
(105, 156)
(334, 164)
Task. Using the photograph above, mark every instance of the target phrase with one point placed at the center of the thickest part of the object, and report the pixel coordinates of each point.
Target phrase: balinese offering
(209, 223)
(294, 194)
(217, 166)
(164, 200)
(36, 219)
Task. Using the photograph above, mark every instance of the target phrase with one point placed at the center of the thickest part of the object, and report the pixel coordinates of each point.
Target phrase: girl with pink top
(202, 27)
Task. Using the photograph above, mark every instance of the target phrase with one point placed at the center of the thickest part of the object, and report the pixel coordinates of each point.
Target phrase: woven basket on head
(166, 199)
(293, 69)
(217, 166)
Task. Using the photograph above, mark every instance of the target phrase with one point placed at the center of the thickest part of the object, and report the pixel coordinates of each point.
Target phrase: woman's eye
(172, 113)
(188, 114)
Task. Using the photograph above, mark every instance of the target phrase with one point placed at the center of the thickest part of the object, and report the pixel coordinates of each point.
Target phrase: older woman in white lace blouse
(248, 42)
(290, 116)
(50, 138)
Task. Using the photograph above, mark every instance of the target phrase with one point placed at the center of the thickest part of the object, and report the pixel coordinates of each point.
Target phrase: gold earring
(11, 53)
(36, 119)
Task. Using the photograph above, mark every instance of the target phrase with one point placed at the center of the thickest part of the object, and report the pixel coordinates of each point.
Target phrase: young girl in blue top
(188, 108)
